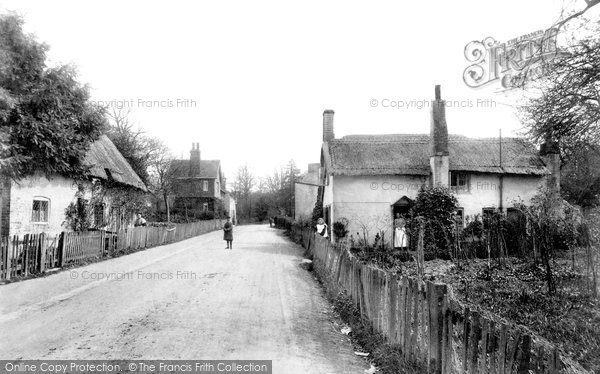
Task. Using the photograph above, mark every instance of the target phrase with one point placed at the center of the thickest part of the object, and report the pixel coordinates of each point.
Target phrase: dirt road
(189, 300)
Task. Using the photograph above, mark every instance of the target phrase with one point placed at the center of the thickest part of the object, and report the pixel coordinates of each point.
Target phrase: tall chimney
(195, 160)
(550, 153)
(439, 155)
(328, 125)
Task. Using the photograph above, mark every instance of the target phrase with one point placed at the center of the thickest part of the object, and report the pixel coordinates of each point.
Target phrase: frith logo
(524, 58)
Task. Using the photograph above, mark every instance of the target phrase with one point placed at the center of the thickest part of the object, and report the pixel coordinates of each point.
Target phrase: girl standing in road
(228, 233)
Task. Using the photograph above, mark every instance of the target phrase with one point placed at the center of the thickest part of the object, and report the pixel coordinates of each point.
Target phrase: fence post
(466, 340)
(524, 355)
(447, 330)
(475, 336)
(485, 330)
(421, 251)
(6, 262)
(435, 298)
(42, 246)
(61, 248)
(24, 267)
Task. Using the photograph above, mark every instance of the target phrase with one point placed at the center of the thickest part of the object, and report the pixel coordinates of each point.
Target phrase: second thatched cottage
(369, 178)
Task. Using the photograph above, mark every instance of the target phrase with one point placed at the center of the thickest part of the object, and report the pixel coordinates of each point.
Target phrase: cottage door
(402, 208)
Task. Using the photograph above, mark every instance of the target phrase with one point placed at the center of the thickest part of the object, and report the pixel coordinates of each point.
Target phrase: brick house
(37, 203)
(200, 186)
(369, 178)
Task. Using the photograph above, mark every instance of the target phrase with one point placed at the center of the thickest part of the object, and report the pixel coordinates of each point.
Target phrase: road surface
(189, 300)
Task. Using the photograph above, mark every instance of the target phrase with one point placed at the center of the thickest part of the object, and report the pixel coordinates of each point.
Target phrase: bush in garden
(340, 228)
(436, 206)
(550, 217)
(318, 209)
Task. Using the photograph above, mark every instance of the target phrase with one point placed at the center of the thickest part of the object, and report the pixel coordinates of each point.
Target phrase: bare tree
(162, 176)
(273, 183)
(566, 111)
(137, 148)
(243, 184)
(565, 18)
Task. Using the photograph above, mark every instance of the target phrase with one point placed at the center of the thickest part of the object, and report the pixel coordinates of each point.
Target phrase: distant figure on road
(322, 227)
(140, 221)
(271, 220)
(228, 233)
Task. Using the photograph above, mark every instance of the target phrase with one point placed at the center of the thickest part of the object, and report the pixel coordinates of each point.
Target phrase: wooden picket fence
(146, 236)
(81, 246)
(33, 254)
(429, 324)
(37, 253)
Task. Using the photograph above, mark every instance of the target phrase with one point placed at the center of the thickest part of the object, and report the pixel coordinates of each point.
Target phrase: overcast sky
(257, 75)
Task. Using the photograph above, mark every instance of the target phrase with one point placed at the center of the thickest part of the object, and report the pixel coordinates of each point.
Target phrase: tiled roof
(208, 169)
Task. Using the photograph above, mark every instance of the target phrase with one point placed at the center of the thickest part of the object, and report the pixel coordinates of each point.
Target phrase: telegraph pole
(292, 187)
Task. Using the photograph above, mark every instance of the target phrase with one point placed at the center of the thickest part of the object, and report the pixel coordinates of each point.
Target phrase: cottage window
(40, 210)
(115, 218)
(513, 214)
(460, 181)
(99, 215)
(488, 212)
(205, 207)
(204, 186)
(460, 217)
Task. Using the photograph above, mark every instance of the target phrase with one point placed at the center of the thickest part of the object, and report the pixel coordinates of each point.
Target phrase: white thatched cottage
(37, 203)
(369, 178)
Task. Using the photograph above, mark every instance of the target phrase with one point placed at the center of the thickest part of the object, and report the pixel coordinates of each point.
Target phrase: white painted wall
(59, 190)
(485, 191)
(366, 200)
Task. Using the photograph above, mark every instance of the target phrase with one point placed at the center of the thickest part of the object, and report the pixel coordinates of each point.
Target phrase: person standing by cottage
(228, 233)
(140, 221)
(322, 227)
(399, 232)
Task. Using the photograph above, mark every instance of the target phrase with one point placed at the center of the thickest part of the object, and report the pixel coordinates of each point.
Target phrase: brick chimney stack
(439, 157)
(328, 125)
(550, 153)
(195, 160)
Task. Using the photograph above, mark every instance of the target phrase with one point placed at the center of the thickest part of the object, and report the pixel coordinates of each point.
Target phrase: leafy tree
(318, 209)
(46, 119)
(435, 208)
(261, 207)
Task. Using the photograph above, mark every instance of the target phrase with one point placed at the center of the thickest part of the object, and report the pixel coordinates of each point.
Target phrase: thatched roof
(103, 156)
(208, 169)
(409, 154)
